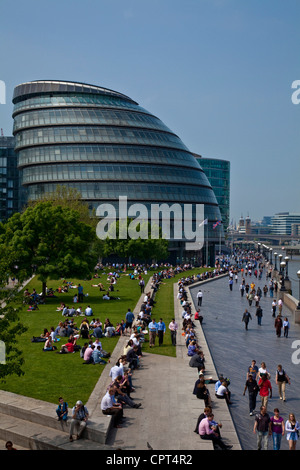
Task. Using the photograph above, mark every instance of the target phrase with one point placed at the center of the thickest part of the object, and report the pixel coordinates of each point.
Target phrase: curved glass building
(104, 144)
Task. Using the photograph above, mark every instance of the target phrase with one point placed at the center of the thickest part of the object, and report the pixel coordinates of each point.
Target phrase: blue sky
(216, 72)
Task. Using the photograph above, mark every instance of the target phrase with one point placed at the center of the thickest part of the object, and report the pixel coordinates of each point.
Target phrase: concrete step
(35, 436)
(40, 413)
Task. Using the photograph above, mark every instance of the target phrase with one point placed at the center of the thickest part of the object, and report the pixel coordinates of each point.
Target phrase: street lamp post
(286, 271)
(298, 306)
(275, 256)
(280, 259)
(282, 264)
(271, 249)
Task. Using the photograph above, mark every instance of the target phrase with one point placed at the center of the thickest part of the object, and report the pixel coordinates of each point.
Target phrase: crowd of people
(207, 427)
(144, 327)
(252, 267)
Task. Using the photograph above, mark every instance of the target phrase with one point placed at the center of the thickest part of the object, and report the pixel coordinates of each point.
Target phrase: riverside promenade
(169, 411)
(233, 348)
(165, 421)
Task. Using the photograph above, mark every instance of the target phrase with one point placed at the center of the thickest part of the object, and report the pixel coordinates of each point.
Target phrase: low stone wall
(292, 303)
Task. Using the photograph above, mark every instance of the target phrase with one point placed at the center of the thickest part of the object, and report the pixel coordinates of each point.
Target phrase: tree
(65, 196)
(49, 241)
(11, 359)
(143, 247)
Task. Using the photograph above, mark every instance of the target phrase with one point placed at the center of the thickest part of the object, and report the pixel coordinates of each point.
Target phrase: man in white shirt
(223, 393)
(199, 297)
(110, 407)
(116, 370)
(88, 311)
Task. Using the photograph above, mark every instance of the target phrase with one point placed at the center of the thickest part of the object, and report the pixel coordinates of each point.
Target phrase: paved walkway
(233, 348)
(169, 410)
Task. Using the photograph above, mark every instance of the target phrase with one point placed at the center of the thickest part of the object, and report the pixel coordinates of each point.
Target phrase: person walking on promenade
(278, 325)
(230, 283)
(265, 390)
(276, 429)
(259, 314)
(281, 379)
(274, 305)
(292, 428)
(286, 327)
(200, 297)
(253, 389)
(252, 370)
(265, 290)
(153, 332)
(173, 327)
(250, 298)
(261, 428)
(263, 371)
(280, 305)
(246, 318)
(242, 289)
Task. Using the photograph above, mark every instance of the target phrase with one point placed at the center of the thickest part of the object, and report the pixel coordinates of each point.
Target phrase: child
(62, 410)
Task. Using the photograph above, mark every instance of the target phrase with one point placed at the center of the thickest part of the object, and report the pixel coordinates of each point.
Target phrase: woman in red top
(67, 348)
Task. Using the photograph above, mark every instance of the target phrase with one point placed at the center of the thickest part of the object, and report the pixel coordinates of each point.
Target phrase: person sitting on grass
(67, 348)
(48, 346)
(97, 356)
(84, 329)
(62, 306)
(88, 354)
(45, 334)
(97, 343)
(97, 331)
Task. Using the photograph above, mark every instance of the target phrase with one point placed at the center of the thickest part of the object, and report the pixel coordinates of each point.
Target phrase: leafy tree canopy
(47, 240)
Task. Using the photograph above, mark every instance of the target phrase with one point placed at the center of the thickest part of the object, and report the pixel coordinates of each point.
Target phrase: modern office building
(283, 221)
(218, 174)
(104, 144)
(9, 178)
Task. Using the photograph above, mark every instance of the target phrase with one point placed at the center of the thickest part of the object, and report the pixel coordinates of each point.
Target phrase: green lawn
(164, 308)
(49, 375)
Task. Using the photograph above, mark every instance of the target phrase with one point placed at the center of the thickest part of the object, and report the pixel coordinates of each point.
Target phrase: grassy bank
(49, 375)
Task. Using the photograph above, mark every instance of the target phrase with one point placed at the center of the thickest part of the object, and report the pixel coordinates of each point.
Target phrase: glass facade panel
(218, 174)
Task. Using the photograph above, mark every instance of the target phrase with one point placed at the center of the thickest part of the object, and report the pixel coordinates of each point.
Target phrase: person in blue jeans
(62, 410)
(276, 429)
